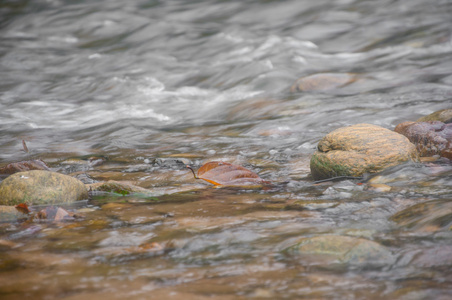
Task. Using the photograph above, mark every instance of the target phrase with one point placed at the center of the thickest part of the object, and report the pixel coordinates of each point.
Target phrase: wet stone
(322, 82)
(41, 187)
(431, 138)
(359, 149)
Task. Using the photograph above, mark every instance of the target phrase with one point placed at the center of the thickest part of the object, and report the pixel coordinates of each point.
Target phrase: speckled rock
(343, 249)
(322, 82)
(444, 115)
(359, 149)
(431, 138)
(41, 187)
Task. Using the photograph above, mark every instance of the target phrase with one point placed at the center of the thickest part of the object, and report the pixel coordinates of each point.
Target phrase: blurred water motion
(140, 80)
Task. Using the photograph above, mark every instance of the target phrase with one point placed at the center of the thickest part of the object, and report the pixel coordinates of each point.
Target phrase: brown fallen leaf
(23, 208)
(223, 173)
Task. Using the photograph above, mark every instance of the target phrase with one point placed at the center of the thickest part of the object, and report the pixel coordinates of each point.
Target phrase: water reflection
(145, 83)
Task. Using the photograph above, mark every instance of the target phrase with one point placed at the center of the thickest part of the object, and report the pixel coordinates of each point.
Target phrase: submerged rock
(41, 187)
(11, 214)
(444, 115)
(82, 164)
(359, 149)
(345, 249)
(259, 108)
(434, 257)
(176, 163)
(112, 186)
(429, 216)
(322, 82)
(431, 138)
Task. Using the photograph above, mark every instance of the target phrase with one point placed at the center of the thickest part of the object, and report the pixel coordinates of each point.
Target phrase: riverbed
(134, 91)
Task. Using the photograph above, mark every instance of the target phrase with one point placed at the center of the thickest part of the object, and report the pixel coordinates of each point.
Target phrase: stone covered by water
(133, 91)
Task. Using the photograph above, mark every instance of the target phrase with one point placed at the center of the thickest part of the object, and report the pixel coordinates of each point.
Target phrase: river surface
(150, 86)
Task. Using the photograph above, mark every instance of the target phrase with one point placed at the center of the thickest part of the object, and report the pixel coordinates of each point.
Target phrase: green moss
(113, 188)
(444, 115)
(322, 168)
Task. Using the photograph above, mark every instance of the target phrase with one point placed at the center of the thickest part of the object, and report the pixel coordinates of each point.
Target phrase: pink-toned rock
(431, 138)
(22, 166)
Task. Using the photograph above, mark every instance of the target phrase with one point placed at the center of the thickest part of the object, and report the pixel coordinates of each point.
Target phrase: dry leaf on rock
(23, 208)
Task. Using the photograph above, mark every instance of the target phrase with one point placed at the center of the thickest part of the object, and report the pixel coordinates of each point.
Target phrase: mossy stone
(41, 187)
(118, 187)
(444, 115)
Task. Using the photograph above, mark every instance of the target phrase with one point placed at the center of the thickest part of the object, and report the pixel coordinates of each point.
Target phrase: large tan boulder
(359, 149)
(41, 187)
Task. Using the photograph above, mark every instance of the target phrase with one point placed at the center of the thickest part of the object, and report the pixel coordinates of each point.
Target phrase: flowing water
(152, 85)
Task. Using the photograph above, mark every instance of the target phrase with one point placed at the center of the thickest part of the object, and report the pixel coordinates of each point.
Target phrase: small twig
(338, 178)
(25, 146)
(194, 175)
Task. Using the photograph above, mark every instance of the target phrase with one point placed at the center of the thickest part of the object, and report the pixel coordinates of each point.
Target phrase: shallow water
(149, 84)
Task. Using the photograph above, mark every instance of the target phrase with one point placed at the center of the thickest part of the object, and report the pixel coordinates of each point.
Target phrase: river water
(152, 85)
